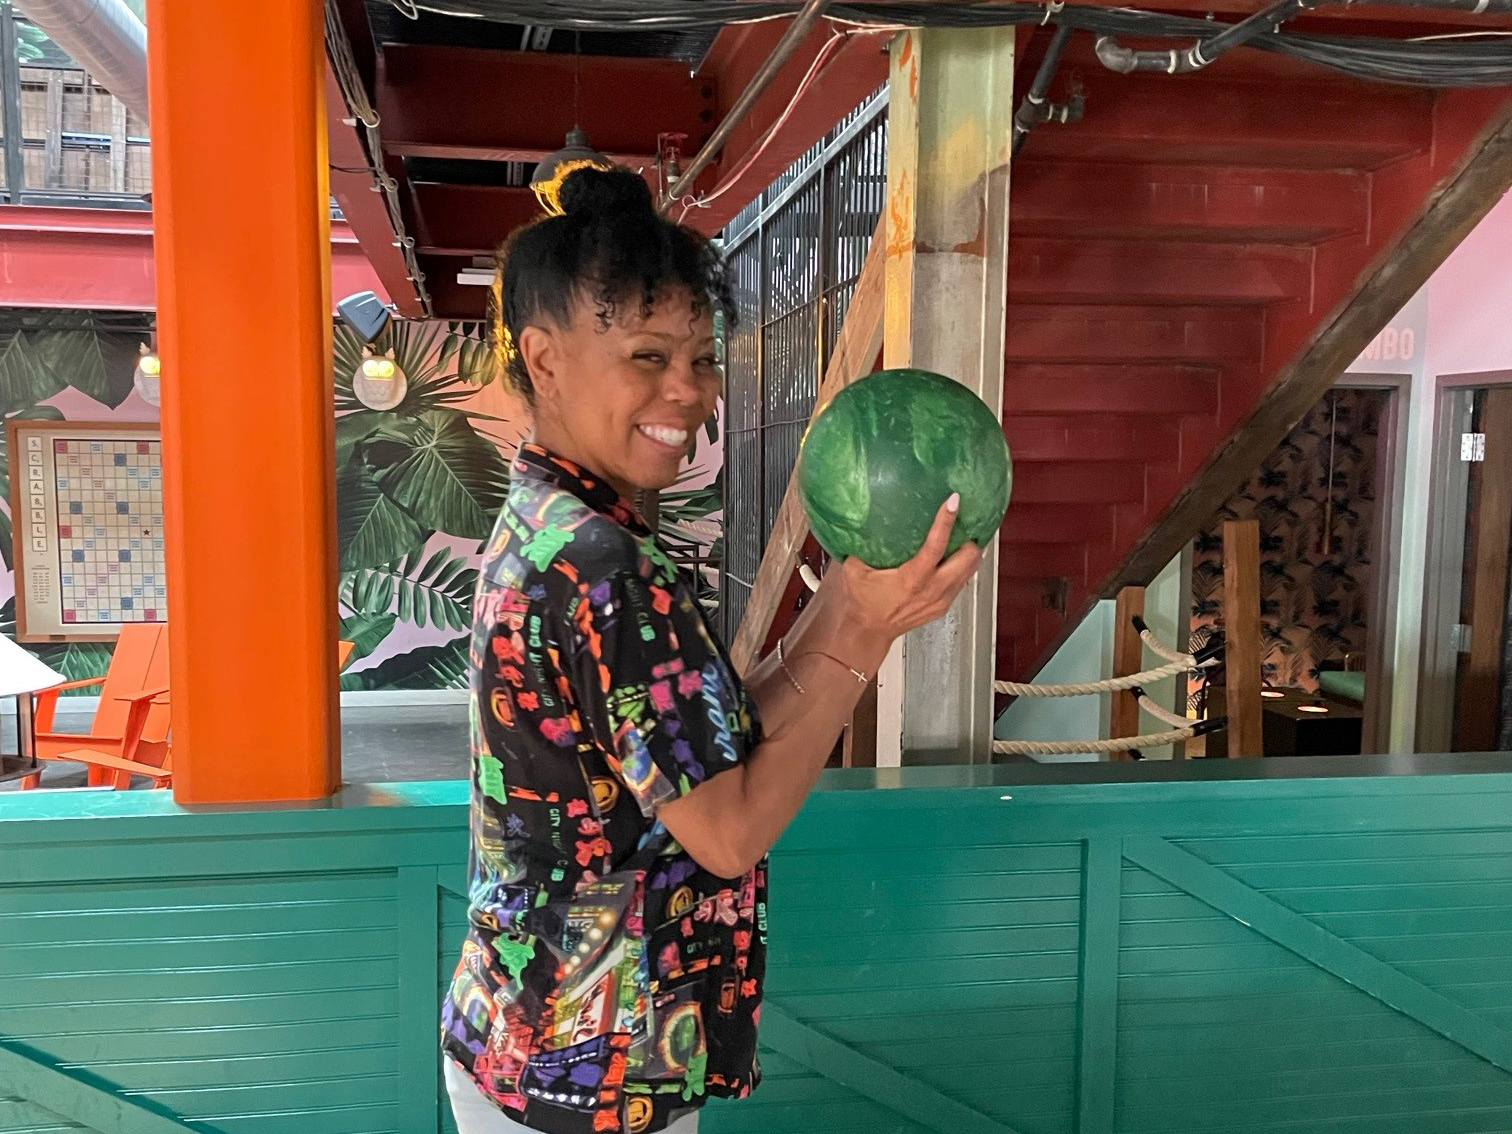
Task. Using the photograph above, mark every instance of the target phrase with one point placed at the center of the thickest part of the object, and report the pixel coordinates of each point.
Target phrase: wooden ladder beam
(855, 354)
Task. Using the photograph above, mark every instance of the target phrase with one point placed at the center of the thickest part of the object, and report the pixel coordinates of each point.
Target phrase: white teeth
(665, 434)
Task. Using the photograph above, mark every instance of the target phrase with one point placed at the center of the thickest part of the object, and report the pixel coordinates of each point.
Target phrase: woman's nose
(680, 384)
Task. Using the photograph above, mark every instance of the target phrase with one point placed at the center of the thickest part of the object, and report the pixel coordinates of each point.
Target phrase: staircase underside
(1191, 266)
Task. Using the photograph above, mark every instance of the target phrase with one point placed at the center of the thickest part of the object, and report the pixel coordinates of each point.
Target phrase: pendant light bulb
(147, 377)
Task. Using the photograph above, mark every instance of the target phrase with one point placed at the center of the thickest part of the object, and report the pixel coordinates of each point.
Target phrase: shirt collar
(536, 463)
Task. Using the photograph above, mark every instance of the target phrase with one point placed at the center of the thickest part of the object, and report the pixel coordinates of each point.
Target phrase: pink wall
(1460, 322)
(1470, 300)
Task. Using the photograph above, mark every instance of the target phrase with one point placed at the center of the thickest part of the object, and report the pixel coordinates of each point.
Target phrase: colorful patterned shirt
(607, 981)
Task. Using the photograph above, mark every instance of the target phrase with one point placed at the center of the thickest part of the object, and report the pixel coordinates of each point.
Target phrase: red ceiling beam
(354, 187)
(452, 300)
(85, 258)
(469, 220)
(101, 259)
(517, 105)
(747, 165)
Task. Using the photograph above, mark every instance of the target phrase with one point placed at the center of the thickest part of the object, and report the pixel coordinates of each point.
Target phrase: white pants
(476, 1114)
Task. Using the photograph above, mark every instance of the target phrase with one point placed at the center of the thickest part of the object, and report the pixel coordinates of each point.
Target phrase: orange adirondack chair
(118, 768)
(129, 722)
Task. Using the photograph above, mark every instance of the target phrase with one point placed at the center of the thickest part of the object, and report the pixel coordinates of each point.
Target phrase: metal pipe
(1472, 7)
(1114, 56)
(102, 36)
(1034, 109)
(797, 31)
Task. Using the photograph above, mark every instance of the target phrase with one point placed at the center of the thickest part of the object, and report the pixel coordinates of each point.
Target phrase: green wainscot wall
(1289, 946)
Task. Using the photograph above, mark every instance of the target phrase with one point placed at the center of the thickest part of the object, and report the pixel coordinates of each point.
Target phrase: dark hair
(608, 245)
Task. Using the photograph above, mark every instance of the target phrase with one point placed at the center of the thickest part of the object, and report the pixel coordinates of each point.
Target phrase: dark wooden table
(1295, 727)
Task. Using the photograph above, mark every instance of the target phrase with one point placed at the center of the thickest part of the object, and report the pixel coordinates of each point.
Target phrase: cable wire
(344, 67)
(1429, 63)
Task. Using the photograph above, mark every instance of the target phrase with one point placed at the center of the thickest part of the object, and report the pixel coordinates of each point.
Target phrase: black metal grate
(796, 252)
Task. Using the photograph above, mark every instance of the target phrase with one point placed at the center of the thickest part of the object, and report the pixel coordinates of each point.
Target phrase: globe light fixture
(379, 382)
(147, 376)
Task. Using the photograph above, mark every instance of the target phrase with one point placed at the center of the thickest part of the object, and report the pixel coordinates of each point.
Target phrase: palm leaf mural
(75, 660)
(24, 381)
(438, 591)
(449, 477)
(371, 529)
(404, 475)
(100, 364)
(366, 631)
(429, 667)
(476, 363)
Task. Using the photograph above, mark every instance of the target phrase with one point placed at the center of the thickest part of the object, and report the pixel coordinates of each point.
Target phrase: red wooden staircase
(1190, 265)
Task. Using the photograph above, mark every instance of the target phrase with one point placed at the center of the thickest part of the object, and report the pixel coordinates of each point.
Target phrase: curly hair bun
(589, 190)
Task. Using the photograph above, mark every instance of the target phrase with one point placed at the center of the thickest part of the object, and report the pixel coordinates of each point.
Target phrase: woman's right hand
(889, 603)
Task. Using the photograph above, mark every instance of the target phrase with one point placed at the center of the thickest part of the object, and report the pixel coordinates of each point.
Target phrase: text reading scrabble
(88, 515)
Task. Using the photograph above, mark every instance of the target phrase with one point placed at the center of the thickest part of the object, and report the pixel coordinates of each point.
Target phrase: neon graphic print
(607, 982)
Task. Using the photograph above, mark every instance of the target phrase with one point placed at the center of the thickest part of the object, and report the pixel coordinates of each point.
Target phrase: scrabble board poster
(87, 514)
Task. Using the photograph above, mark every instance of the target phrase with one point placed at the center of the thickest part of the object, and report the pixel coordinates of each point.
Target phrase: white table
(22, 675)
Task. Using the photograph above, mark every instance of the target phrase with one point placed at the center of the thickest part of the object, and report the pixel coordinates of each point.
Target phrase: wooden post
(949, 127)
(854, 355)
(52, 132)
(861, 734)
(1478, 718)
(117, 146)
(1242, 654)
(244, 332)
(1128, 657)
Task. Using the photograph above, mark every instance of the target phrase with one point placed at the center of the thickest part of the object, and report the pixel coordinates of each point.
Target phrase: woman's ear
(540, 352)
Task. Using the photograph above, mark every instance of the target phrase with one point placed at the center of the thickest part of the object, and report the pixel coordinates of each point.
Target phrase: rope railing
(1074, 747)
(1209, 655)
(1181, 728)
(1160, 712)
(1087, 688)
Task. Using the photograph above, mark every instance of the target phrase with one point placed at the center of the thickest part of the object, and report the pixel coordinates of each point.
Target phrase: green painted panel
(371, 1011)
(1221, 1028)
(354, 1118)
(263, 1068)
(21, 1117)
(274, 970)
(229, 1047)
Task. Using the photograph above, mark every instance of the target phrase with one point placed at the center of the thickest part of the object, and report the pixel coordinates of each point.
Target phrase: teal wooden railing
(1279, 946)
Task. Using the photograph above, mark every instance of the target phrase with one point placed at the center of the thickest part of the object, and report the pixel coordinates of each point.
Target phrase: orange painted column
(242, 244)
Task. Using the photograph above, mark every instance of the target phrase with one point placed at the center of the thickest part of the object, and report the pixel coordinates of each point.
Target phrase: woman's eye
(656, 358)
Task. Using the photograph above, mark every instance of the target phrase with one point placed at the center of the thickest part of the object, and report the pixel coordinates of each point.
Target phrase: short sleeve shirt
(607, 981)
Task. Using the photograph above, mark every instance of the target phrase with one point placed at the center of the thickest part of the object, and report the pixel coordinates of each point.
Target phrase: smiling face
(624, 400)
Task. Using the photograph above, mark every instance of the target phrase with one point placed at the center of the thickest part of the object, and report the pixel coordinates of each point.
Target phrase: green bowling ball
(882, 457)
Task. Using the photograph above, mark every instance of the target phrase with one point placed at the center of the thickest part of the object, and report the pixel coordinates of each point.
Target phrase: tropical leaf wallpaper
(417, 490)
(417, 487)
(1315, 590)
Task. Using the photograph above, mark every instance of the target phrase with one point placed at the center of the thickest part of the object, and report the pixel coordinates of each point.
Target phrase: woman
(625, 790)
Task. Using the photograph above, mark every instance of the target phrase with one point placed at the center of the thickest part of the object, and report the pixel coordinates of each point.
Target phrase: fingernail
(953, 505)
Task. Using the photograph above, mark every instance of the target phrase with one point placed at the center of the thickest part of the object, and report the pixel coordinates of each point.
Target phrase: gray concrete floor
(377, 745)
